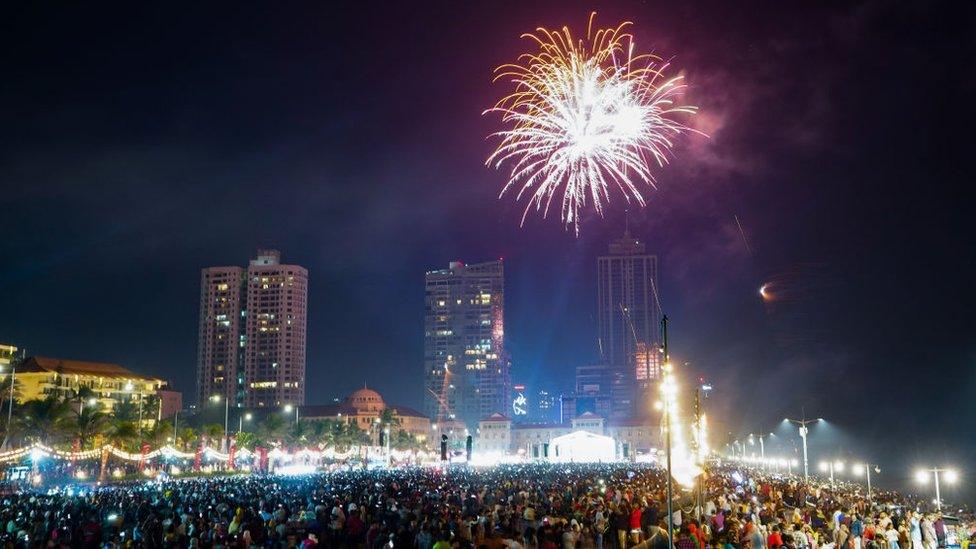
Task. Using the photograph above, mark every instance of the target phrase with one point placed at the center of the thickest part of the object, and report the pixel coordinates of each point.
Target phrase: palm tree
(317, 432)
(296, 434)
(87, 425)
(213, 431)
(122, 433)
(81, 395)
(272, 428)
(388, 418)
(246, 440)
(160, 434)
(348, 434)
(42, 420)
(126, 410)
(188, 436)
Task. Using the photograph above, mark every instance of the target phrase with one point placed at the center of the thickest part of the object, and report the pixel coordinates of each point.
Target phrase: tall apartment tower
(466, 369)
(253, 333)
(628, 312)
(220, 348)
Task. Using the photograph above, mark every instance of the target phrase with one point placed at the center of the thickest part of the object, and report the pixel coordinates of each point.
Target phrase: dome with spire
(366, 400)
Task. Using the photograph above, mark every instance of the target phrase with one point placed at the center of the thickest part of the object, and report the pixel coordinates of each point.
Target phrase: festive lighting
(683, 467)
(585, 115)
(295, 470)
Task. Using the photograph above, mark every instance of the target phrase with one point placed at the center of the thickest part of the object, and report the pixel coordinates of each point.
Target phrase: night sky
(140, 144)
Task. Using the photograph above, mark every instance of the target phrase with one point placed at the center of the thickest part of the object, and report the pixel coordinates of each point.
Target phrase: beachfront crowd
(542, 505)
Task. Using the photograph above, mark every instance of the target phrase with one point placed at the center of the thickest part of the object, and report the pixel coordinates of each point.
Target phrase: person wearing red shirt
(635, 523)
(774, 540)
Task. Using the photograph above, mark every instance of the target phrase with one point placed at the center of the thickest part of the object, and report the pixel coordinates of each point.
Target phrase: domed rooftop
(366, 400)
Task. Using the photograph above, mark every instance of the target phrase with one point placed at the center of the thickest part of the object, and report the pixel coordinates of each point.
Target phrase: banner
(142, 458)
(198, 456)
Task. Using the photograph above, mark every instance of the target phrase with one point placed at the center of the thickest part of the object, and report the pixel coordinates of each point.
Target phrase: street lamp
(804, 430)
(865, 469)
(832, 466)
(240, 421)
(762, 446)
(10, 403)
(216, 398)
(288, 409)
(950, 475)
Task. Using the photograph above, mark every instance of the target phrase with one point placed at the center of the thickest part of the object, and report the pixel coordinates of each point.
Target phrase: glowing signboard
(520, 404)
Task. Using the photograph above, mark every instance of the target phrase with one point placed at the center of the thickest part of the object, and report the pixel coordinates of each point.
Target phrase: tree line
(70, 422)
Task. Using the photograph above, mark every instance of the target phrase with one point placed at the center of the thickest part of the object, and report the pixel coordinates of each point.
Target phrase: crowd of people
(540, 505)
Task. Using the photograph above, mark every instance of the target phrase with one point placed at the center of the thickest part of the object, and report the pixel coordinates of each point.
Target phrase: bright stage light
(922, 476)
(951, 476)
(297, 469)
(824, 466)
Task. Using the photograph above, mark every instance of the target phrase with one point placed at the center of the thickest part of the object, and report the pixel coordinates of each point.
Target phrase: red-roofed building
(40, 377)
(364, 408)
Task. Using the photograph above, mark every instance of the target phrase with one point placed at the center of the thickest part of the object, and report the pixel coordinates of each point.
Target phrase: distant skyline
(142, 143)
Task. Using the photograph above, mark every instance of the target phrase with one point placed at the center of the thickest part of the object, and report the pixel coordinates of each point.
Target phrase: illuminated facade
(364, 407)
(253, 333)
(7, 355)
(629, 317)
(466, 368)
(40, 377)
(220, 345)
(497, 434)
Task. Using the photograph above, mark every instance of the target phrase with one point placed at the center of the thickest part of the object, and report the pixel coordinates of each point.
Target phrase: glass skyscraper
(466, 369)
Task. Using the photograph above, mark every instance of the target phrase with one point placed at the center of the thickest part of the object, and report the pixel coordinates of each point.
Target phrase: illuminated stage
(583, 447)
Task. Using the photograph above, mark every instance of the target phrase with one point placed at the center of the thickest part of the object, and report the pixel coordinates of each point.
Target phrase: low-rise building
(365, 408)
(170, 402)
(41, 377)
(497, 434)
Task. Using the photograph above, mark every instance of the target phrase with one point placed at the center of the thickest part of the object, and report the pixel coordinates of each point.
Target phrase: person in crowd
(508, 506)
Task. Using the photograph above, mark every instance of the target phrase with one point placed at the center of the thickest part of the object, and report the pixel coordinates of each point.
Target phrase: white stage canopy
(581, 447)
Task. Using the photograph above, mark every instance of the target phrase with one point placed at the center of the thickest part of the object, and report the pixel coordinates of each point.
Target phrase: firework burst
(585, 115)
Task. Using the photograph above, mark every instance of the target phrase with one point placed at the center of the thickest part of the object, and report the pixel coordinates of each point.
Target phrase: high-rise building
(466, 368)
(253, 333)
(628, 312)
(274, 359)
(220, 346)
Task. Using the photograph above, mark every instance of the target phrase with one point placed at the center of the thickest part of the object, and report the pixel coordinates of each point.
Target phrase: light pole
(951, 476)
(762, 447)
(803, 435)
(131, 389)
(223, 443)
(865, 468)
(10, 403)
(240, 421)
(669, 393)
(832, 466)
(288, 408)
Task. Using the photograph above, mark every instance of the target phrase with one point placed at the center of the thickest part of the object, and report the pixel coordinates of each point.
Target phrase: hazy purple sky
(140, 144)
